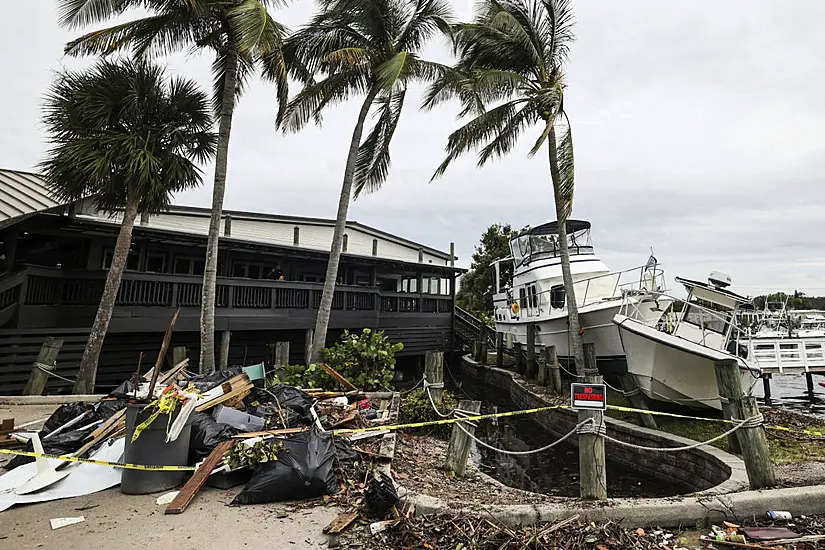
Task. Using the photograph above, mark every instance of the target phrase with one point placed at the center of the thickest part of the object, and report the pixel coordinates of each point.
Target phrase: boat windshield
(529, 246)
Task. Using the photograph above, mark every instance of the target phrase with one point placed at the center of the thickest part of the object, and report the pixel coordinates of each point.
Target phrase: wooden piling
(637, 400)
(752, 440)
(766, 386)
(555, 370)
(460, 442)
(809, 378)
(434, 374)
(592, 466)
(310, 337)
(729, 386)
(518, 357)
(500, 350)
(482, 344)
(46, 362)
(530, 370)
(543, 378)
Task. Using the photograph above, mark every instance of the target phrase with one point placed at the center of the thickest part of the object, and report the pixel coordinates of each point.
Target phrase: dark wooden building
(271, 272)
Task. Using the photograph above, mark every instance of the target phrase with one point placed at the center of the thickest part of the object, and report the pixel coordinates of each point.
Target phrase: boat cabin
(709, 314)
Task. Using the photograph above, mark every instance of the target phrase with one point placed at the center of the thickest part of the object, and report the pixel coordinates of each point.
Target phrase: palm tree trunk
(210, 272)
(325, 308)
(85, 382)
(561, 218)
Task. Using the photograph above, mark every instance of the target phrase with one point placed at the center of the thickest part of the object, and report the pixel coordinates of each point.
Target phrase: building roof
(23, 194)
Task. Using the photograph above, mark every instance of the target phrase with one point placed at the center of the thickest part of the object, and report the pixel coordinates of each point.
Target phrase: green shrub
(416, 407)
(367, 360)
(299, 376)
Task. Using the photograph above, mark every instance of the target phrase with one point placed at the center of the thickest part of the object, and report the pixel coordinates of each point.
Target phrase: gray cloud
(699, 131)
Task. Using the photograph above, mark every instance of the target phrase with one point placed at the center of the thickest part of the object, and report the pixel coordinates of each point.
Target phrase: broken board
(341, 522)
(185, 496)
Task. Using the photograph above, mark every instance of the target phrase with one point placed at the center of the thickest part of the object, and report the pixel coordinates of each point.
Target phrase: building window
(254, 271)
(239, 269)
(375, 247)
(132, 261)
(557, 297)
(156, 263)
(188, 266)
(344, 247)
(296, 236)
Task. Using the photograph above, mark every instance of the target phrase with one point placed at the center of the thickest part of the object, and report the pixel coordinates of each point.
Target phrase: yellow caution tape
(122, 465)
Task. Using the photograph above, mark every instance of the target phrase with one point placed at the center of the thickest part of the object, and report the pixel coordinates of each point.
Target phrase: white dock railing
(786, 355)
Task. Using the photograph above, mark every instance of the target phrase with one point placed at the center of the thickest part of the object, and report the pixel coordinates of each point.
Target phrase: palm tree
(369, 48)
(126, 138)
(243, 37)
(513, 55)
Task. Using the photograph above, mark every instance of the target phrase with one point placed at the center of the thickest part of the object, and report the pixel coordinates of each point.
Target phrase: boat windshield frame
(539, 243)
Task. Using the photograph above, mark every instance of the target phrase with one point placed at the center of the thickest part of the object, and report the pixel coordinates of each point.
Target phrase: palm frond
(81, 13)
(564, 158)
(253, 29)
(508, 134)
(245, 68)
(373, 160)
(349, 57)
(560, 14)
(389, 74)
(310, 101)
(428, 18)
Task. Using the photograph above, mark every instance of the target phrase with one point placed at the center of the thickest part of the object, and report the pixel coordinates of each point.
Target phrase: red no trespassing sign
(588, 396)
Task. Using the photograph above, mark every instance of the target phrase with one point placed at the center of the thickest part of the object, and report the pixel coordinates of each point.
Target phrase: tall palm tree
(126, 138)
(368, 48)
(242, 35)
(512, 56)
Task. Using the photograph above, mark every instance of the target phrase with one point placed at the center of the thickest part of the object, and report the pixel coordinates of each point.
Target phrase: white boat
(529, 289)
(678, 367)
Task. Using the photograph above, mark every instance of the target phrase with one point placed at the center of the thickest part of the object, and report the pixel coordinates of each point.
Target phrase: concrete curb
(643, 512)
(48, 399)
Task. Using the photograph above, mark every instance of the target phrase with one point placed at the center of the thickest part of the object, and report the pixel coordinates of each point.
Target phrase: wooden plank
(187, 494)
(285, 431)
(341, 522)
(340, 379)
(114, 419)
(241, 391)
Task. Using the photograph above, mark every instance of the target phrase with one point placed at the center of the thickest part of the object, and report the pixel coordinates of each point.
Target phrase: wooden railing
(45, 286)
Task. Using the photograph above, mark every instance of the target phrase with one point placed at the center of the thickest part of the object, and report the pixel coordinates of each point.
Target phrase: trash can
(150, 448)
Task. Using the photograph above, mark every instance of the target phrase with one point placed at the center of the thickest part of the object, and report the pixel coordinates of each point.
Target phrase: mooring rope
(752, 422)
(523, 453)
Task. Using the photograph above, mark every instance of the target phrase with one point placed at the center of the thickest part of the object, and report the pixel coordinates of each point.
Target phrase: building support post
(519, 357)
(555, 371)
(178, 354)
(499, 349)
(482, 344)
(45, 363)
(224, 357)
(592, 467)
(310, 336)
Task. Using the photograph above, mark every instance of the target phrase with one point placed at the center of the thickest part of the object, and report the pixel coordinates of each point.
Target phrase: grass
(785, 447)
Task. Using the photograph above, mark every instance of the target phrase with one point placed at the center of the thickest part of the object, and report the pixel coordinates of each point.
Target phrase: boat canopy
(714, 294)
(541, 242)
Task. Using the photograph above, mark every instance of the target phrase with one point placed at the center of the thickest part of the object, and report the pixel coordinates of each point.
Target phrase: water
(552, 472)
(790, 391)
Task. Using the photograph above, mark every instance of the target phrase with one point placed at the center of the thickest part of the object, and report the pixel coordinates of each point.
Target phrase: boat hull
(673, 370)
(599, 329)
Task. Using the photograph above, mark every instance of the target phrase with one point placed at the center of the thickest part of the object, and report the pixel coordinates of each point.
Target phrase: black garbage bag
(206, 434)
(295, 403)
(304, 469)
(380, 496)
(205, 382)
(62, 443)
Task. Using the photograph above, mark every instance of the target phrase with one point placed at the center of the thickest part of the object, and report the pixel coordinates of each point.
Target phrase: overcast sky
(699, 131)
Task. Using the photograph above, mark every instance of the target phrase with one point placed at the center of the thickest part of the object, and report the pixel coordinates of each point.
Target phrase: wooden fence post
(530, 370)
(434, 374)
(460, 442)
(751, 439)
(500, 350)
(634, 395)
(592, 468)
(46, 361)
(519, 357)
(178, 354)
(281, 354)
(555, 371)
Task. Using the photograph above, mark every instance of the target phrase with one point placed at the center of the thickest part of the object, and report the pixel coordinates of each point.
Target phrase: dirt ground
(114, 521)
